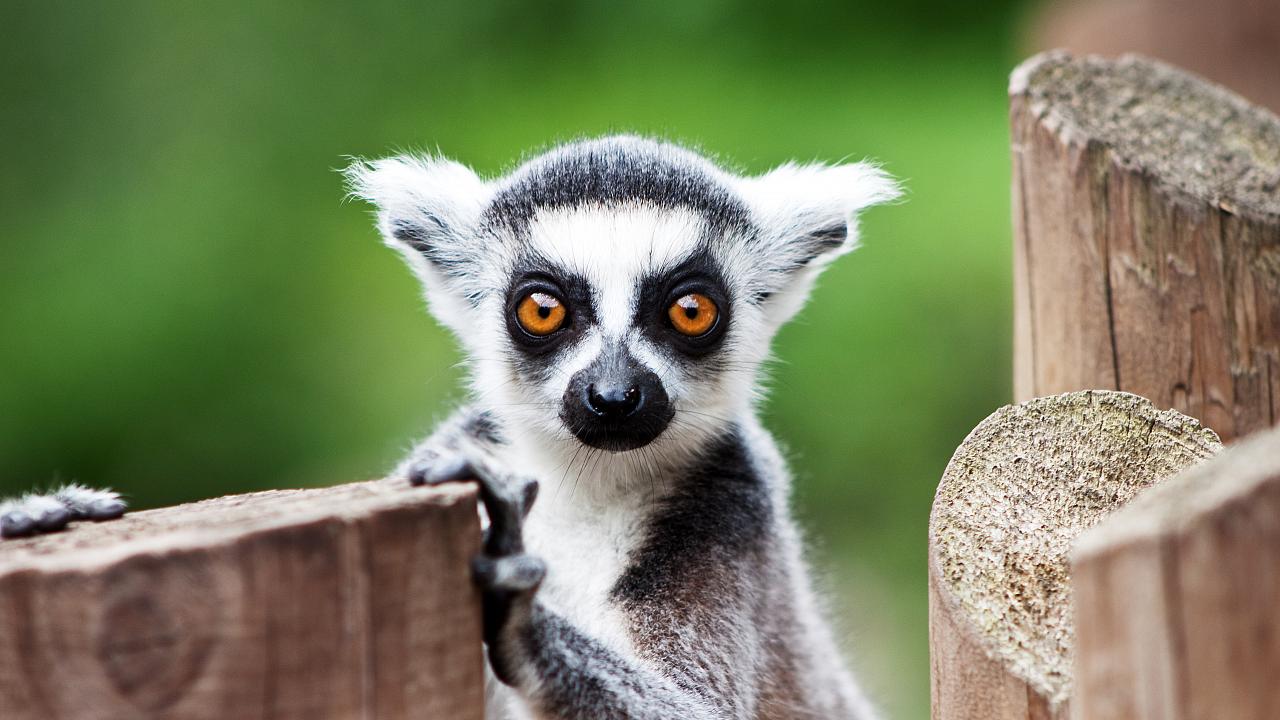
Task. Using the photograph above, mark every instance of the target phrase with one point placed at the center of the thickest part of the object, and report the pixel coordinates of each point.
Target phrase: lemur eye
(540, 313)
(693, 314)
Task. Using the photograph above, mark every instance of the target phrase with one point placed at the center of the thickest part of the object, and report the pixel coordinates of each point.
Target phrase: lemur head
(617, 292)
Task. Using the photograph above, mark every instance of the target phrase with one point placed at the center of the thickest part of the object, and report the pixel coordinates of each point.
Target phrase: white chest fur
(586, 541)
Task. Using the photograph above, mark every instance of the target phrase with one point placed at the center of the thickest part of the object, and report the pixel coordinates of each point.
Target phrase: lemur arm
(569, 676)
(559, 669)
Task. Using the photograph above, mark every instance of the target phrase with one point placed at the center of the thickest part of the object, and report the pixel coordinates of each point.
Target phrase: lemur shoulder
(616, 300)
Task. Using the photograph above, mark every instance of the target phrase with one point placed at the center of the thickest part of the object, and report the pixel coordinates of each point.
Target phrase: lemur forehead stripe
(614, 171)
(613, 244)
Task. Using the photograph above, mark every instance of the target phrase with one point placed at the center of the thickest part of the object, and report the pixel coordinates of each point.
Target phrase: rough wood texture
(1146, 239)
(1177, 596)
(348, 602)
(1233, 42)
(1015, 495)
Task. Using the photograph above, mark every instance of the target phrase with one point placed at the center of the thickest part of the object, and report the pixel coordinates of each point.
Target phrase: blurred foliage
(189, 308)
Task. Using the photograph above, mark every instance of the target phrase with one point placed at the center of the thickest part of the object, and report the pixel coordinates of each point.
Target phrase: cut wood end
(1185, 132)
(1024, 484)
(1234, 476)
(87, 545)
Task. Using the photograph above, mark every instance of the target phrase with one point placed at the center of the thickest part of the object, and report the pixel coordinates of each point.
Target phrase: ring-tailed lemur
(616, 299)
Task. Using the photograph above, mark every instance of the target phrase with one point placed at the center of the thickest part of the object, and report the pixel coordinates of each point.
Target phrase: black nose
(614, 402)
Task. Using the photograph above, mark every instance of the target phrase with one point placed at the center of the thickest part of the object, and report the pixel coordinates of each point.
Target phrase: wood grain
(1146, 239)
(347, 602)
(1022, 486)
(1177, 596)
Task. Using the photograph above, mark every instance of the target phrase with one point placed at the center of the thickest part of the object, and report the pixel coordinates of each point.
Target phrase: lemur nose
(614, 402)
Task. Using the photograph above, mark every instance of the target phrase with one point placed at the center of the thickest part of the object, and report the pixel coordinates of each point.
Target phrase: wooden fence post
(1235, 43)
(1016, 493)
(1177, 596)
(1147, 239)
(347, 602)
(1147, 259)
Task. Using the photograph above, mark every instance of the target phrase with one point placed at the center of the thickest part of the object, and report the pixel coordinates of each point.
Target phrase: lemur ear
(428, 210)
(807, 217)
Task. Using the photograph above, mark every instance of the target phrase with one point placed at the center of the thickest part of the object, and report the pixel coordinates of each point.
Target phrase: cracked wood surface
(1024, 484)
(347, 602)
(1177, 596)
(1146, 210)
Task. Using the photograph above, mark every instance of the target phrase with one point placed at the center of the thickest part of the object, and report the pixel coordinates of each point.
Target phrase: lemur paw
(506, 575)
(37, 513)
(506, 497)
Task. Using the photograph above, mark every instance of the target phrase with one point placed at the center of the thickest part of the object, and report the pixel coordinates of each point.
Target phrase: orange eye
(540, 313)
(693, 315)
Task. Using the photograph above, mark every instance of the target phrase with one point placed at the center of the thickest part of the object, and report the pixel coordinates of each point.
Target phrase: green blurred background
(188, 307)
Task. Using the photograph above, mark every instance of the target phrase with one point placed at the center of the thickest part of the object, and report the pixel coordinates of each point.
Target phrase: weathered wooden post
(1177, 596)
(348, 602)
(1147, 239)
(1147, 258)
(1017, 492)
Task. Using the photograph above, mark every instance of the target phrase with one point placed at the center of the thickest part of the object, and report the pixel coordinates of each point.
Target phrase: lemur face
(623, 317)
(617, 293)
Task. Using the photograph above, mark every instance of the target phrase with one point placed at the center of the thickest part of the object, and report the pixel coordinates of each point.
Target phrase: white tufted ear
(428, 210)
(807, 217)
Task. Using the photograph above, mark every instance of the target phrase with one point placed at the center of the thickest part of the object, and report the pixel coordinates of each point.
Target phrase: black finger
(505, 535)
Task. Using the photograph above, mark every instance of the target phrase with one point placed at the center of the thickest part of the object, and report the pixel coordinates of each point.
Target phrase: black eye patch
(572, 290)
(697, 275)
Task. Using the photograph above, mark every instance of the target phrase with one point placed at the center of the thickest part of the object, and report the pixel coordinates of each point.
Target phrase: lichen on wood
(1146, 239)
(1181, 131)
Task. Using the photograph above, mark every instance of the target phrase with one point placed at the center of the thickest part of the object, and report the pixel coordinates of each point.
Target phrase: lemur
(616, 299)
